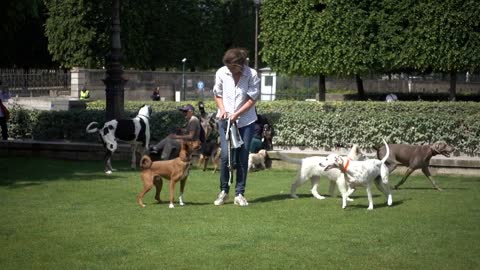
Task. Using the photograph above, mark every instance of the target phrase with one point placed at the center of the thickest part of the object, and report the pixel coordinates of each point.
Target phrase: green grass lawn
(70, 215)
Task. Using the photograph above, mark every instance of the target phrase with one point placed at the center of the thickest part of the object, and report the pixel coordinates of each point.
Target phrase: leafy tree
(344, 37)
(154, 33)
(189, 29)
(295, 39)
(78, 31)
(21, 35)
(446, 37)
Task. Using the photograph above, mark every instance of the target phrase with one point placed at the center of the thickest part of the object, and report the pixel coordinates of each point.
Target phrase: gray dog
(414, 157)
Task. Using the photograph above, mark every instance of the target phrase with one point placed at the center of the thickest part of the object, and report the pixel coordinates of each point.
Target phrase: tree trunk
(361, 91)
(452, 92)
(322, 90)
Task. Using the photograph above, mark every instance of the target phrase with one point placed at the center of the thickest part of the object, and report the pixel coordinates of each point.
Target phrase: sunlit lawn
(70, 215)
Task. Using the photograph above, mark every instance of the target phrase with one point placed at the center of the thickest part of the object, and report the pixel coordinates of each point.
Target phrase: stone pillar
(77, 82)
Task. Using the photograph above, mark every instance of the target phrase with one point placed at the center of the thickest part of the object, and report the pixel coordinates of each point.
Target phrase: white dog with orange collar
(362, 173)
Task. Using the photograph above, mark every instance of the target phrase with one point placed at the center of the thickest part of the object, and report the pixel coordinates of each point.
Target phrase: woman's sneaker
(221, 199)
(240, 200)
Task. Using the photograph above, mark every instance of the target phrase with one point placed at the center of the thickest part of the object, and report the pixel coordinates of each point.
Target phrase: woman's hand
(222, 114)
(234, 117)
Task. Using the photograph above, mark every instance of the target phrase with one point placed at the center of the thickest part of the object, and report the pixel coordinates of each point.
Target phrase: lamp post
(257, 7)
(183, 78)
(114, 80)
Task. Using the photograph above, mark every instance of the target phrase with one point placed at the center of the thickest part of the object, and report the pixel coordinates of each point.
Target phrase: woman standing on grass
(235, 91)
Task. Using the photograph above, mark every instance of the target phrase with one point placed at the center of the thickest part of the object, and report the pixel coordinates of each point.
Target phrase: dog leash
(229, 151)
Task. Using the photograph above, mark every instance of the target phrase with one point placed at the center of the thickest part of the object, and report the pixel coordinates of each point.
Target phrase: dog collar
(344, 170)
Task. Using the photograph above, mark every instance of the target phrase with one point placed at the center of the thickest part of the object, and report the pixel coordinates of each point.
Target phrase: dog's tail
(92, 127)
(289, 159)
(387, 153)
(145, 162)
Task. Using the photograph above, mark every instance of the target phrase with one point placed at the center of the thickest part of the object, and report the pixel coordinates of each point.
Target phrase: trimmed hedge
(296, 123)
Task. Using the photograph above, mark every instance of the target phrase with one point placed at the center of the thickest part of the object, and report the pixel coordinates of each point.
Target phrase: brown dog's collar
(344, 169)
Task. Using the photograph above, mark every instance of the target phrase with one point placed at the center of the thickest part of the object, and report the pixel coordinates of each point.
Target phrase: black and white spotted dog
(134, 131)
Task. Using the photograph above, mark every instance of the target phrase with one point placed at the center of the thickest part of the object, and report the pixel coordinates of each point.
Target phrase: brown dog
(208, 150)
(175, 170)
(414, 157)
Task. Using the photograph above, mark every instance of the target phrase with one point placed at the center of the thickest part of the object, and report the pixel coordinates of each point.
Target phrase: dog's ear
(438, 146)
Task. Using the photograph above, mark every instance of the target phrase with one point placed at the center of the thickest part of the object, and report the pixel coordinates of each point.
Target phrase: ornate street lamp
(257, 4)
(114, 81)
(183, 78)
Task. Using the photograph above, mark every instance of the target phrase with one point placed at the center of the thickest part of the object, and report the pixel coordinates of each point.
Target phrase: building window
(268, 80)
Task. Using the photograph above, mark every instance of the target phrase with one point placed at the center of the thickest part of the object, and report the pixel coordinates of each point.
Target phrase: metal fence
(34, 82)
(140, 84)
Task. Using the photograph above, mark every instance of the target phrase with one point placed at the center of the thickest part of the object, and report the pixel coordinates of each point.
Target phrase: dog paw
(349, 199)
(294, 196)
(171, 205)
(142, 205)
(320, 197)
(108, 172)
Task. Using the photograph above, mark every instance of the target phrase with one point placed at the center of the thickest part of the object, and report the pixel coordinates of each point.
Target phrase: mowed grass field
(70, 215)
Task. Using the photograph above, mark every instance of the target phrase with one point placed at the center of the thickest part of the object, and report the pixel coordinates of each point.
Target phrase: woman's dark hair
(235, 56)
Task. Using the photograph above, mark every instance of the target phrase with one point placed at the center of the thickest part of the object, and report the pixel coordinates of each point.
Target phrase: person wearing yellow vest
(84, 94)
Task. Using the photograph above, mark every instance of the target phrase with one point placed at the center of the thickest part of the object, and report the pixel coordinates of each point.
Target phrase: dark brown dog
(414, 157)
(175, 170)
(209, 150)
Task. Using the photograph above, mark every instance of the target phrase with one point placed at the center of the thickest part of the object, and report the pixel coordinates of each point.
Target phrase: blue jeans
(241, 159)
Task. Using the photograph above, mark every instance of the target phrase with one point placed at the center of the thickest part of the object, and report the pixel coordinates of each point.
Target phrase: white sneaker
(221, 199)
(240, 200)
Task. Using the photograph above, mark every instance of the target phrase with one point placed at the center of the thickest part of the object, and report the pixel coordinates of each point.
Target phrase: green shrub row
(296, 123)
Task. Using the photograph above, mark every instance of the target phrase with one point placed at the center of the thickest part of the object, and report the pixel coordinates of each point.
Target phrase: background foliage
(305, 124)
(155, 34)
(342, 37)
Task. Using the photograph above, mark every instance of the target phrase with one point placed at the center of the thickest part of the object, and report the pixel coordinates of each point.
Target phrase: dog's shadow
(187, 203)
(427, 188)
(375, 206)
(278, 197)
(281, 197)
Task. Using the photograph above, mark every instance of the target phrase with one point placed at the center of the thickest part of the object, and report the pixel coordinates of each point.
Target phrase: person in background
(4, 93)
(4, 116)
(391, 97)
(84, 94)
(156, 94)
(235, 91)
(170, 146)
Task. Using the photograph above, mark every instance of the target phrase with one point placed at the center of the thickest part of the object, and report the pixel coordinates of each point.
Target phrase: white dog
(133, 131)
(257, 160)
(310, 170)
(362, 173)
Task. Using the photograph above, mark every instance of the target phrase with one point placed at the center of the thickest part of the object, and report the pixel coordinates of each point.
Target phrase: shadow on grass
(276, 197)
(280, 197)
(428, 188)
(24, 172)
(380, 205)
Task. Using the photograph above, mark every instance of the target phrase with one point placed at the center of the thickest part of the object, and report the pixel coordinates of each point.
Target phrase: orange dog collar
(346, 166)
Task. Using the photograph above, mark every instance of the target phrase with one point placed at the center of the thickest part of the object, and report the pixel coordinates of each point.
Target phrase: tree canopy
(154, 33)
(341, 37)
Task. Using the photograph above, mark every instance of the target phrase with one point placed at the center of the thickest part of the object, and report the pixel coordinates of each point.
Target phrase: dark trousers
(3, 124)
